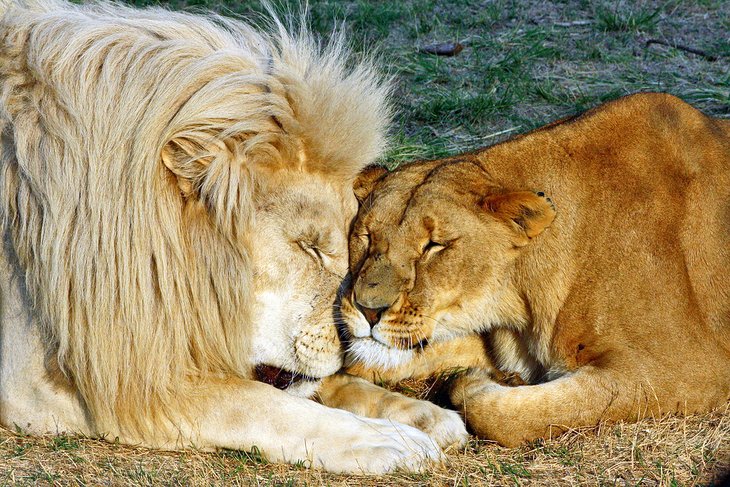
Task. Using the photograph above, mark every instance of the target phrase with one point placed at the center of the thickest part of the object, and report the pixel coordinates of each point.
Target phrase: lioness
(610, 296)
(176, 192)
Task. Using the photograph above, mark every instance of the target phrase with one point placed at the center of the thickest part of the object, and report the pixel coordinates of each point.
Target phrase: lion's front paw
(380, 446)
(446, 427)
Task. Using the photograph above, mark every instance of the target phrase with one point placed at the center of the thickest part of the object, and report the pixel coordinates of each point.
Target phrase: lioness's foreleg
(361, 397)
(364, 398)
(514, 415)
(437, 358)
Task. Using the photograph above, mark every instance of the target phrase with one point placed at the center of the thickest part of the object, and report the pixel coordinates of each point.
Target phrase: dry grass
(525, 63)
(692, 450)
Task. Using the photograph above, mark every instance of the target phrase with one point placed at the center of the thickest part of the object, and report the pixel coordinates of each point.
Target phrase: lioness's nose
(372, 315)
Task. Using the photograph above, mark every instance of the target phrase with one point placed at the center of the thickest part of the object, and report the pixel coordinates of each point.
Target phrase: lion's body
(621, 308)
(175, 193)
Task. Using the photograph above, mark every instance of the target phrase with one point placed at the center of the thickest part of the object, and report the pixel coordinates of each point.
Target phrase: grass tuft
(614, 19)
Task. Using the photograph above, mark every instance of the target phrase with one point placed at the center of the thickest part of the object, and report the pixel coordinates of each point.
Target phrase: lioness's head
(430, 252)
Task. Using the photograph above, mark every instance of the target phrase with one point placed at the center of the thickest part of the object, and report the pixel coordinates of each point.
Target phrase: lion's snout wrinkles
(318, 350)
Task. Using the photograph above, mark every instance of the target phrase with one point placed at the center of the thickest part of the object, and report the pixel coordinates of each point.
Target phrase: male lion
(610, 297)
(176, 192)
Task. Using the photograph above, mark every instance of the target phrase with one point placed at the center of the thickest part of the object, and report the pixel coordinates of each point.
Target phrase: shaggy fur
(134, 145)
(176, 197)
(609, 296)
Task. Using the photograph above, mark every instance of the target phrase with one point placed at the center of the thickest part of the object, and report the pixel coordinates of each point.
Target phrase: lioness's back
(646, 179)
(684, 157)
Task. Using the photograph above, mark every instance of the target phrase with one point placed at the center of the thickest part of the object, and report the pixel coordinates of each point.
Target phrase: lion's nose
(372, 315)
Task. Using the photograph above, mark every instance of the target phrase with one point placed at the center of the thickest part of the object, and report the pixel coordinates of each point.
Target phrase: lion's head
(314, 121)
(430, 251)
(299, 250)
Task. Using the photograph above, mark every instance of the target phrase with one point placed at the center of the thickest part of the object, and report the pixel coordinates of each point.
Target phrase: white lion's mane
(138, 270)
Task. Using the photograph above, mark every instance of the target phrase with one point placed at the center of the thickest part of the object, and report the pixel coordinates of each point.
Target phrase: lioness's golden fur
(175, 193)
(608, 292)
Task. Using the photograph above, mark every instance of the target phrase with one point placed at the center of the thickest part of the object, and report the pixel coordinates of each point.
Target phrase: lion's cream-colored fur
(176, 198)
(133, 142)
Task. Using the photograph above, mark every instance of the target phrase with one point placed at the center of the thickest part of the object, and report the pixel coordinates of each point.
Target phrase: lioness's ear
(527, 213)
(366, 181)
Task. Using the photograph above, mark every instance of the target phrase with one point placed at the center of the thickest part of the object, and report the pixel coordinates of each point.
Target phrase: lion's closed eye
(314, 251)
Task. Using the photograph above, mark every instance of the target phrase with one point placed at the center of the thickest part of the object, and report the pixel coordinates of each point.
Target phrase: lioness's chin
(372, 353)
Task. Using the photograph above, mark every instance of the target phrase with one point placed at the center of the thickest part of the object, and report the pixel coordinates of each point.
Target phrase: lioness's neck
(540, 279)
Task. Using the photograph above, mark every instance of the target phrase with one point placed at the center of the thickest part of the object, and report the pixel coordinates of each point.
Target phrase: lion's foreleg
(364, 398)
(245, 415)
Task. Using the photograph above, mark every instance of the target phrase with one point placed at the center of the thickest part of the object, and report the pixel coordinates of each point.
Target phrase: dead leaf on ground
(443, 48)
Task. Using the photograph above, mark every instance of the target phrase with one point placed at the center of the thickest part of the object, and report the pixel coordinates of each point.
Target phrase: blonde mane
(131, 141)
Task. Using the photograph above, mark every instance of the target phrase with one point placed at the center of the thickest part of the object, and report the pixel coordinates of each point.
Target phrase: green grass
(614, 19)
(63, 442)
(525, 63)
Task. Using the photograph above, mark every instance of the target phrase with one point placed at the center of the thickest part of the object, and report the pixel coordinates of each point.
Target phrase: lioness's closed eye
(588, 257)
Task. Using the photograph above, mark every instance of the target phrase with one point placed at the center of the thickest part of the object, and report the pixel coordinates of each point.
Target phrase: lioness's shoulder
(665, 105)
(654, 109)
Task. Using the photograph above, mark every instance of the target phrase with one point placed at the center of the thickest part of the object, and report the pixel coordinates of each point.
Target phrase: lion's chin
(293, 383)
(372, 353)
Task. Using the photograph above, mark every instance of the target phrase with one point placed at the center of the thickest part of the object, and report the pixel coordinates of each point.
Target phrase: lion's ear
(217, 173)
(186, 163)
(366, 181)
(527, 213)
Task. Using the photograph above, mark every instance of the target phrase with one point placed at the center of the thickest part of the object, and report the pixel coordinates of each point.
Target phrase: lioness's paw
(547, 198)
(471, 383)
(444, 426)
(380, 446)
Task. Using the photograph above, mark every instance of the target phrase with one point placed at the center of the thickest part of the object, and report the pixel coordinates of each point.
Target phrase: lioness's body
(621, 308)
